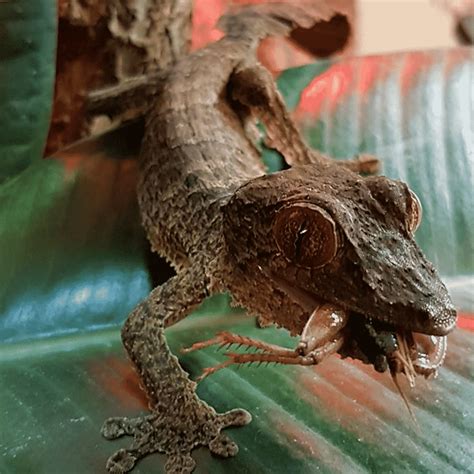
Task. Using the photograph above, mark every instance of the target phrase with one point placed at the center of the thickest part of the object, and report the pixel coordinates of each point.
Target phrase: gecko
(319, 249)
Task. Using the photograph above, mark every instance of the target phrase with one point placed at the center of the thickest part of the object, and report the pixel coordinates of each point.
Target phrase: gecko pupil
(299, 239)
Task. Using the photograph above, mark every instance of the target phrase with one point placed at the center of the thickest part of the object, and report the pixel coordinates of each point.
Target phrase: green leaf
(27, 57)
(76, 261)
(414, 112)
(291, 84)
(339, 417)
(72, 250)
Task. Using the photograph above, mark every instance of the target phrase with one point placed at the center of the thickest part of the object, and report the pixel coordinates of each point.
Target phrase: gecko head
(329, 236)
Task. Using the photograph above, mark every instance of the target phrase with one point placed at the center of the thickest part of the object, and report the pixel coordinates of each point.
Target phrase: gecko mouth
(398, 350)
(388, 347)
(332, 329)
(380, 344)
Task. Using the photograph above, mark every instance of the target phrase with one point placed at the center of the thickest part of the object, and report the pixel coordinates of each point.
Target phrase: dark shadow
(159, 270)
(325, 38)
(464, 30)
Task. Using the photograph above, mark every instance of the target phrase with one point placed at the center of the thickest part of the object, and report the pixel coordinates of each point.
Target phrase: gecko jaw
(417, 353)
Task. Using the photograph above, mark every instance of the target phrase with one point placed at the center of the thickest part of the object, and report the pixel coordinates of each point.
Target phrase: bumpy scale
(317, 239)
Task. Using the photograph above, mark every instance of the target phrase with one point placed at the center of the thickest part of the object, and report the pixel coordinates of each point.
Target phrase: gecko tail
(256, 22)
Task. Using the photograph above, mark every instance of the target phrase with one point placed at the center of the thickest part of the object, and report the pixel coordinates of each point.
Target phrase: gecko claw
(235, 417)
(120, 462)
(113, 428)
(223, 446)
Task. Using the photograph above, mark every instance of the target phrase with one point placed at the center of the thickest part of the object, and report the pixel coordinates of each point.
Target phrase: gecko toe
(236, 417)
(120, 462)
(146, 440)
(200, 426)
(114, 428)
(223, 446)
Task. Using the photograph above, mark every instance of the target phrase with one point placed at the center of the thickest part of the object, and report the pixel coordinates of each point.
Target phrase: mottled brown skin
(380, 271)
(207, 205)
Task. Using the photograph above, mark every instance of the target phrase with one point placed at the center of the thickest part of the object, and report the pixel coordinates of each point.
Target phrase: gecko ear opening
(305, 234)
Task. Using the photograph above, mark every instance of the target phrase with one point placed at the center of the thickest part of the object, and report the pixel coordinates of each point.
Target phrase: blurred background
(103, 43)
(391, 78)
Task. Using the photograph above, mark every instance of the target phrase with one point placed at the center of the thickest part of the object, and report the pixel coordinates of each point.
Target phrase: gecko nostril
(447, 319)
(438, 317)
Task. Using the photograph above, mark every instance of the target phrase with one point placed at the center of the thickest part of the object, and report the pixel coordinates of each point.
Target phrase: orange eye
(306, 235)
(415, 212)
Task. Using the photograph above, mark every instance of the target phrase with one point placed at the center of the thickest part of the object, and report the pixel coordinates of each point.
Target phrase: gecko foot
(175, 436)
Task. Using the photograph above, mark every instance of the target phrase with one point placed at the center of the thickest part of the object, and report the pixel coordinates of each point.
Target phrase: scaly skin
(207, 206)
(195, 154)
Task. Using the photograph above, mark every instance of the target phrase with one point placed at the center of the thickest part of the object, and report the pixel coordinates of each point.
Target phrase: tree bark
(107, 43)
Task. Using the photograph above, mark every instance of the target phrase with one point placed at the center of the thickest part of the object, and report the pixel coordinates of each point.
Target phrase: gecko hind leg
(179, 421)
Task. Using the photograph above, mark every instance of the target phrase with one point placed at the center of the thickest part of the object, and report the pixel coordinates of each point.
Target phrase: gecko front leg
(179, 421)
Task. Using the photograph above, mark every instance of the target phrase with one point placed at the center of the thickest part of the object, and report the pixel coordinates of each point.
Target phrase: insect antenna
(404, 398)
(404, 355)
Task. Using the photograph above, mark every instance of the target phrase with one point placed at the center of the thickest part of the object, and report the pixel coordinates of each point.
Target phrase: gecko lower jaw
(413, 351)
(389, 347)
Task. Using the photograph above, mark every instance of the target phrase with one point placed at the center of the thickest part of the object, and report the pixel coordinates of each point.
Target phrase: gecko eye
(415, 212)
(306, 235)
